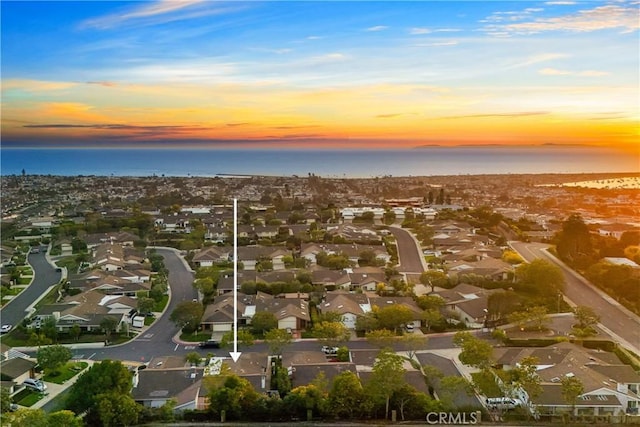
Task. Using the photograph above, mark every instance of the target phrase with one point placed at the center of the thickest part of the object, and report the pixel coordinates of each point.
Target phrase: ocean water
(430, 161)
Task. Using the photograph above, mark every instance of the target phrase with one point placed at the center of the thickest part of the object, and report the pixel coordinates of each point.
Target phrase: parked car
(209, 344)
(35, 384)
(5, 328)
(409, 327)
(503, 403)
(329, 350)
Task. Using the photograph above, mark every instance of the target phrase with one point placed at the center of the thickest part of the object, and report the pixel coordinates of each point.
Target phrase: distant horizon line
(243, 146)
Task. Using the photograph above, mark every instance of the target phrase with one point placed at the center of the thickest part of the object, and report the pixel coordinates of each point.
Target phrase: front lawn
(195, 337)
(67, 372)
(27, 397)
(160, 305)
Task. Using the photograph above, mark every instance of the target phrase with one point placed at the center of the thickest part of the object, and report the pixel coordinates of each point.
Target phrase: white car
(329, 350)
(503, 403)
(35, 384)
(5, 328)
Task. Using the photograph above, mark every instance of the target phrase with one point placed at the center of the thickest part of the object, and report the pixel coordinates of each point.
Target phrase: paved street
(14, 311)
(622, 323)
(409, 254)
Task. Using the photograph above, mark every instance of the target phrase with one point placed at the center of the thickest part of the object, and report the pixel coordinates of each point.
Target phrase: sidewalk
(54, 389)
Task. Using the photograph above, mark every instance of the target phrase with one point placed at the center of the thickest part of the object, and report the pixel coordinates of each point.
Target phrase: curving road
(45, 276)
(622, 324)
(409, 253)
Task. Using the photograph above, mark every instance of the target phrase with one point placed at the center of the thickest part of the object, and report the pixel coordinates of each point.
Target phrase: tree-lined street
(621, 322)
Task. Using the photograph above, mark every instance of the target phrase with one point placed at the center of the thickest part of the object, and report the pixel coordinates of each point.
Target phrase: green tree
(412, 343)
(346, 396)
(38, 339)
(572, 388)
(387, 376)
(524, 376)
(145, 305)
(26, 418)
(541, 277)
(75, 331)
(394, 316)
(116, 409)
(108, 324)
(187, 315)
(429, 302)
(452, 386)
(64, 418)
(236, 397)
(51, 358)
(263, 321)
(102, 378)
(434, 278)
(511, 257)
(277, 340)
(367, 322)
(194, 358)
(306, 398)
(475, 351)
(587, 318)
(573, 242)
(331, 333)
(381, 338)
(535, 317)
(245, 338)
(5, 400)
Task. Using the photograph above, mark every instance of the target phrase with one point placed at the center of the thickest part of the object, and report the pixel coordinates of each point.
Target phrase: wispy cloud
(377, 28)
(586, 73)
(416, 31)
(35, 85)
(536, 59)
(612, 16)
(436, 44)
(560, 3)
(502, 115)
(159, 12)
(102, 83)
(388, 116)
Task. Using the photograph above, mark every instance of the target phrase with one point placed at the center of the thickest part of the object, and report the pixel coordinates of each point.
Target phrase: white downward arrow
(235, 354)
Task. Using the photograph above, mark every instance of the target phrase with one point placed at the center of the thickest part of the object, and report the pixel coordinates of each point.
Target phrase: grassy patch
(486, 382)
(24, 280)
(27, 397)
(148, 320)
(69, 262)
(68, 371)
(160, 305)
(195, 337)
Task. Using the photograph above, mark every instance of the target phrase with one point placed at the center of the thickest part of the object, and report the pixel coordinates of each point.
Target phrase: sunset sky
(320, 74)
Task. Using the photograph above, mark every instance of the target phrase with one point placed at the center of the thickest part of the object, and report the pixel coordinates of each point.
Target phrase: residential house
(14, 371)
(610, 387)
(88, 309)
(154, 388)
(469, 302)
(348, 305)
(213, 255)
(250, 256)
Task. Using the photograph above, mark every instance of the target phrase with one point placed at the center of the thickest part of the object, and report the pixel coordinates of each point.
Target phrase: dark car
(209, 344)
